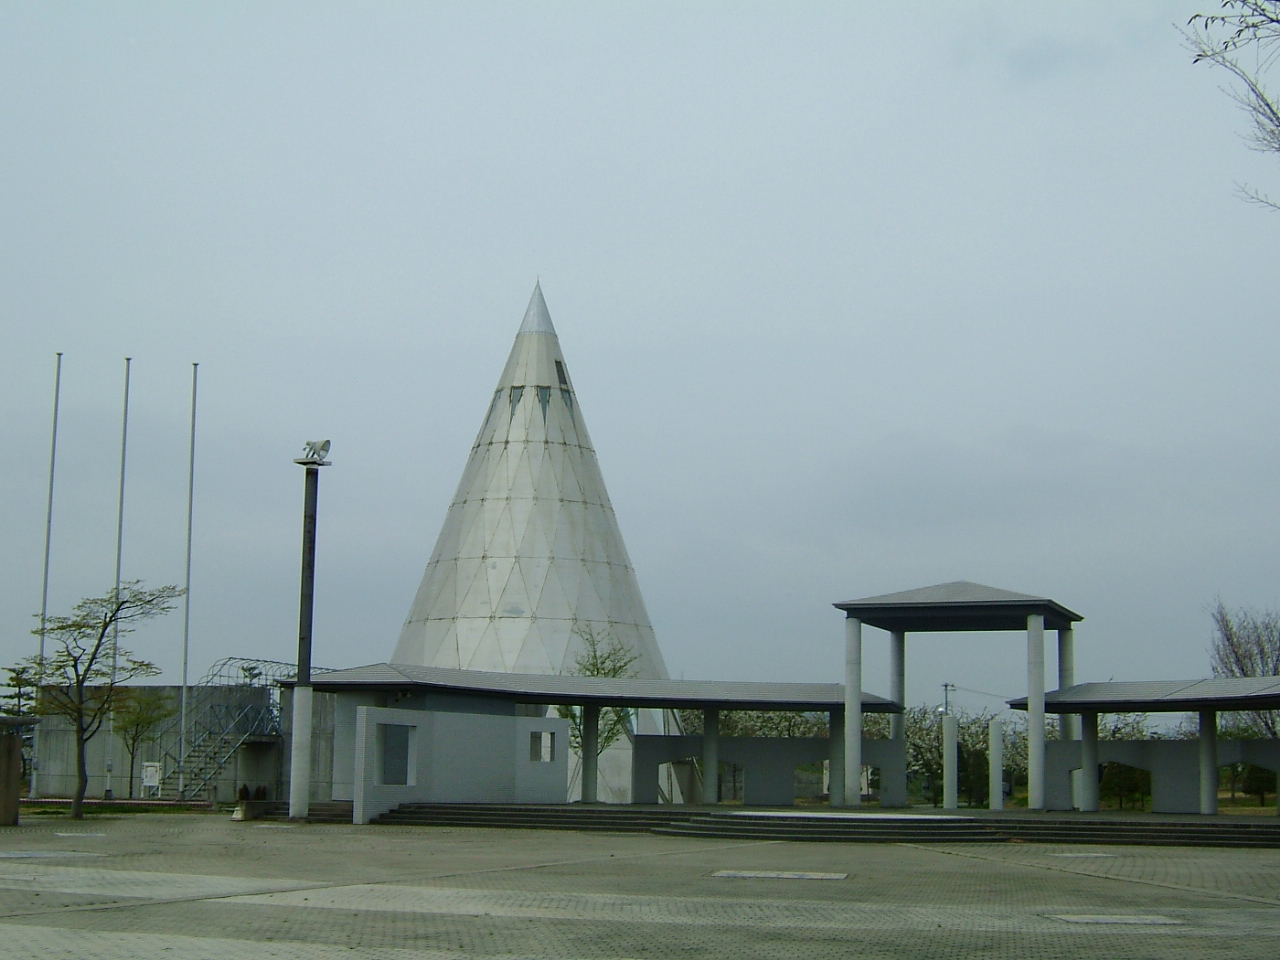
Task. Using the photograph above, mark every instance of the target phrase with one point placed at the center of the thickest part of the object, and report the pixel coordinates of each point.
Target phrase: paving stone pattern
(194, 886)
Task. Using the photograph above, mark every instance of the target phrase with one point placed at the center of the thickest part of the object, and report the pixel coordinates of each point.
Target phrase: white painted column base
(950, 778)
(1208, 762)
(835, 762)
(590, 752)
(995, 764)
(300, 754)
(1089, 762)
(898, 682)
(853, 712)
(710, 756)
(1035, 711)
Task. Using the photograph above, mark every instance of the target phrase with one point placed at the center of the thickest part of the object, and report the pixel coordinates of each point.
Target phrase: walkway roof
(1163, 696)
(955, 607)
(604, 691)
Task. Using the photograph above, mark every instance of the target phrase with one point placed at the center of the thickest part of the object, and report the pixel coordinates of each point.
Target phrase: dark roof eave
(816, 703)
(960, 616)
(1157, 705)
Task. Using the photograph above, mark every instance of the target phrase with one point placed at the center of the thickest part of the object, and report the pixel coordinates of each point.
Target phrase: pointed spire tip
(537, 319)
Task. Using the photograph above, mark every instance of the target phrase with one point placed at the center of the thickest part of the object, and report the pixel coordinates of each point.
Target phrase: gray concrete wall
(340, 732)
(456, 758)
(770, 764)
(258, 765)
(323, 714)
(57, 776)
(1174, 766)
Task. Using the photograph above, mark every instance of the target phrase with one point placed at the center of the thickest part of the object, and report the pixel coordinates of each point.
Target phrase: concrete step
(568, 817)
(904, 829)
(318, 811)
(691, 821)
(909, 829)
(1217, 833)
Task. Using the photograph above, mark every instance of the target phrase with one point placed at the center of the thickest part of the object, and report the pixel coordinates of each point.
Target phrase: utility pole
(44, 588)
(313, 458)
(186, 594)
(108, 794)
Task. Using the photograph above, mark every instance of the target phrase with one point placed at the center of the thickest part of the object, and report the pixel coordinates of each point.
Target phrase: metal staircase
(219, 725)
(217, 732)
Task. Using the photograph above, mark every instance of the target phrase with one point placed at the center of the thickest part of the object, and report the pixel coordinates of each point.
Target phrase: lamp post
(312, 459)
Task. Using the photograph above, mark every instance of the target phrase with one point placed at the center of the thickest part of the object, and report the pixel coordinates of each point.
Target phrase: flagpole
(186, 609)
(44, 587)
(115, 625)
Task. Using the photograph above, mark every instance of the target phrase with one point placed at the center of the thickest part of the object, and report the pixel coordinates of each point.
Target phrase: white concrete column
(590, 752)
(898, 682)
(300, 754)
(852, 712)
(995, 764)
(710, 756)
(1067, 678)
(950, 771)
(1035, 711)
(1089, 762)
(1208, 761)
(835, 763)
(1070, 722)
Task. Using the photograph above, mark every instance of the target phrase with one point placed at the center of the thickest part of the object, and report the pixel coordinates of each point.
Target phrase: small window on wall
(542, 746)
(393, 739)
(560, 374)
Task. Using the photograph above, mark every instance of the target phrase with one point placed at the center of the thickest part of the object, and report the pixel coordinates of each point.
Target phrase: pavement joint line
(569, 863)
(1221, 894)
(303, 885)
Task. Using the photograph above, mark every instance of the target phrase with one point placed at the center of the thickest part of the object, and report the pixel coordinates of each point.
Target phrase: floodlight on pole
(312, 459)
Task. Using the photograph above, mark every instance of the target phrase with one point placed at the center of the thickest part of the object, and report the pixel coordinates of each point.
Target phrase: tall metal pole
(107, 794)
(300, 746)
(44, 587)
(186, 603)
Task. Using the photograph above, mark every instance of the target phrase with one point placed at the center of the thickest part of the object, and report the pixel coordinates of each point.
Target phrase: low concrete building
(233, 740)
(479, 725)
(1184, 773)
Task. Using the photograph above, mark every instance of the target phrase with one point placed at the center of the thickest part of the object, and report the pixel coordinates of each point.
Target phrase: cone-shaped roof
(537, 318)
(530, 563)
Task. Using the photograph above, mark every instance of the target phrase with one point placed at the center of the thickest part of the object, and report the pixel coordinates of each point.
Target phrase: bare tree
(1222, 38)
(1247, 644)
(83, 676)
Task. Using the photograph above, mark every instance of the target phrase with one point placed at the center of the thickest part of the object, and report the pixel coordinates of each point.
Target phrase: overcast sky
(857, 298)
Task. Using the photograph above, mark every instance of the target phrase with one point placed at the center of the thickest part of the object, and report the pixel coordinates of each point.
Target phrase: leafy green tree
(21, 683)
(139, 713)
(79, 681)
(924, 752)
(1259, 781)
(761, 723)
(1120, 782)
(603, 655)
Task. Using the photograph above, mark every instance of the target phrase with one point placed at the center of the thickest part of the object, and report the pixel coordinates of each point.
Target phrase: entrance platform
(842, 826)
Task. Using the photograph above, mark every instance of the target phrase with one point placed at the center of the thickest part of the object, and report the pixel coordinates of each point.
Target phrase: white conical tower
(530, 560)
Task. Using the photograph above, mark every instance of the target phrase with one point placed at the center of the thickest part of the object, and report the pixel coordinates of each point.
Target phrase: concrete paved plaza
(200, 886)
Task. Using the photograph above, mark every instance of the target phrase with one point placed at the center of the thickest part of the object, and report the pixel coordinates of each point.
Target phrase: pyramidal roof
(530, 562)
